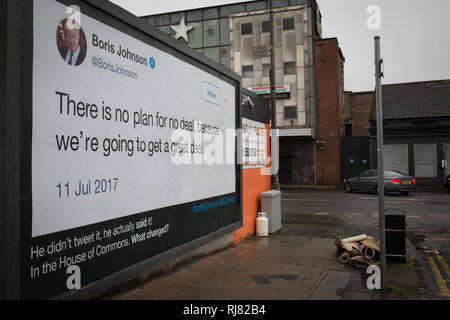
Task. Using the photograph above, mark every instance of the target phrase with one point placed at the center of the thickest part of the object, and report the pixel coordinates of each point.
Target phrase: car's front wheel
(348, 187)
(385, 190)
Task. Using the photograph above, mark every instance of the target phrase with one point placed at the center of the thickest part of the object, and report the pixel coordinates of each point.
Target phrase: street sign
(261, 52)
(266, 89)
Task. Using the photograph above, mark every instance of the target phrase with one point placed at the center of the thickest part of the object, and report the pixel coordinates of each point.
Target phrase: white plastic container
(262, 225)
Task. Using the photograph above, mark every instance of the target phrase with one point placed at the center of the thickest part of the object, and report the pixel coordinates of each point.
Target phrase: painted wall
(253, 185)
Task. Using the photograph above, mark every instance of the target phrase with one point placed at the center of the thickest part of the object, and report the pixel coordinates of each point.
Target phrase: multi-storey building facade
(238, 37)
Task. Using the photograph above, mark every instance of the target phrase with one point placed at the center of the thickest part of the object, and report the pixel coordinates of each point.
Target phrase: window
(224, 32)
(225, 56)
(290, 112)
(266, 70)
(195, 36)
(373, 173)
(247, 71)
(366, 174)
(212, 53)
(289, 68)
(211, 33)
(246, 28)
(288, 24)
(265, 26)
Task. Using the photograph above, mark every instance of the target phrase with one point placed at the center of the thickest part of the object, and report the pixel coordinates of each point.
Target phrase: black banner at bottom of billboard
(102, 249)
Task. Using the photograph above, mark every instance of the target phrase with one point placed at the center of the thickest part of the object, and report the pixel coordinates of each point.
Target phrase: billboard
(105, 190)
(254, 144)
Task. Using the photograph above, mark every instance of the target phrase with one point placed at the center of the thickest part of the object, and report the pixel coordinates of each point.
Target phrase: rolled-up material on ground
(359, 261)
(344, 258)
(352, 247)
(368, 252)
(361, 237)
(371, 243)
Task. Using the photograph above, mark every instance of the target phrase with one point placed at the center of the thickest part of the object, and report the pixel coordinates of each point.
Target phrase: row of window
(247, 28)
(289, 69)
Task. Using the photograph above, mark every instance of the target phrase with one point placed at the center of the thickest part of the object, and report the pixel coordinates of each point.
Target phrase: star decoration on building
(182, 29)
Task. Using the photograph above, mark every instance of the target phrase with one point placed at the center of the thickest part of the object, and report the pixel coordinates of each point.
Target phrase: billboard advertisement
(105, 190)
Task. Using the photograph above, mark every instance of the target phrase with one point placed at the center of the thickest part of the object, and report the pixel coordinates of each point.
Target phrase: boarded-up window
(290, 112)
(246, 28)
(288, 24)
(265, 26)
(266, 70)
(289, 68)
(247, 71)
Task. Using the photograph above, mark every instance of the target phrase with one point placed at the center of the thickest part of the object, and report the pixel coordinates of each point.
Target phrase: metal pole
(379, 105)
(275, 183)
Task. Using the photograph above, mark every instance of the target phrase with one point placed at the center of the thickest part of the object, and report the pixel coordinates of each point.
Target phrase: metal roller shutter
(447, 158)
(425, 160)
(396, 157)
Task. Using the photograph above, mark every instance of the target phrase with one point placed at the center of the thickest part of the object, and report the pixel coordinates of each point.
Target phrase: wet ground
(300, 262)
(335, 213)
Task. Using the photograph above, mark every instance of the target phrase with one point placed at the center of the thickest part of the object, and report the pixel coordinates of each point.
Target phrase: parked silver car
(394, 181)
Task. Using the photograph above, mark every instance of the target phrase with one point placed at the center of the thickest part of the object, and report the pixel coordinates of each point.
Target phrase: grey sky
(415, 35)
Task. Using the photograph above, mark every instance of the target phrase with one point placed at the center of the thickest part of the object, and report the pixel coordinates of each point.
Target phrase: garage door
(425, 160)
(396, 157)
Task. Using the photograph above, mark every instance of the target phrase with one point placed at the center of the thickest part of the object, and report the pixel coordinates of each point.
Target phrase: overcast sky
(415, 35)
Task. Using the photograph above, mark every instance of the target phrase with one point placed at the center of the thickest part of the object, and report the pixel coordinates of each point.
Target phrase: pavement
(300, 261)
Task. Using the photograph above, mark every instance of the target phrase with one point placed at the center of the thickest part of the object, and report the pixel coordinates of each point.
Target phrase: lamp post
(273, 99)
(379, 106)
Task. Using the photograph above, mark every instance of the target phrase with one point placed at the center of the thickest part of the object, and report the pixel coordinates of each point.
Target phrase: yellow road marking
(442, 261)
(440, 282)
(444, 265)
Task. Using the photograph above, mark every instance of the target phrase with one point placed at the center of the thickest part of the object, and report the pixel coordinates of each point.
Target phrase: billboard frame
(16, 64)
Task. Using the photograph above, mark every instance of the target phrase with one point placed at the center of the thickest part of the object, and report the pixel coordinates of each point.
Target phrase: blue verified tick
(152, 62)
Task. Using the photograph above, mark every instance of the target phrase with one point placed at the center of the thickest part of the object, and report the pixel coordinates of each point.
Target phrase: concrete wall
(290, 46)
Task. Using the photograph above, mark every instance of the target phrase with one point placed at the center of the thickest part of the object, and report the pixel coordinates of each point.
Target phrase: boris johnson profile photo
(71, 42)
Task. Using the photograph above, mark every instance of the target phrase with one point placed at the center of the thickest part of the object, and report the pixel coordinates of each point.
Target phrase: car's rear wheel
(404, 193)
(348, 187)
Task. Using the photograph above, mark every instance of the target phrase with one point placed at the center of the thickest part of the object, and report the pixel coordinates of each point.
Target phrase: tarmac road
(300, 262)
(336, 213)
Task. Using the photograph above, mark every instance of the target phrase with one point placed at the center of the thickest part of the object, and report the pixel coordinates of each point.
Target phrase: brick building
(329, 62)
(362, 103)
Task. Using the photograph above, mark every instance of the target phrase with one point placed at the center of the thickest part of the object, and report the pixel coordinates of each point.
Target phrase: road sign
(261, 52)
